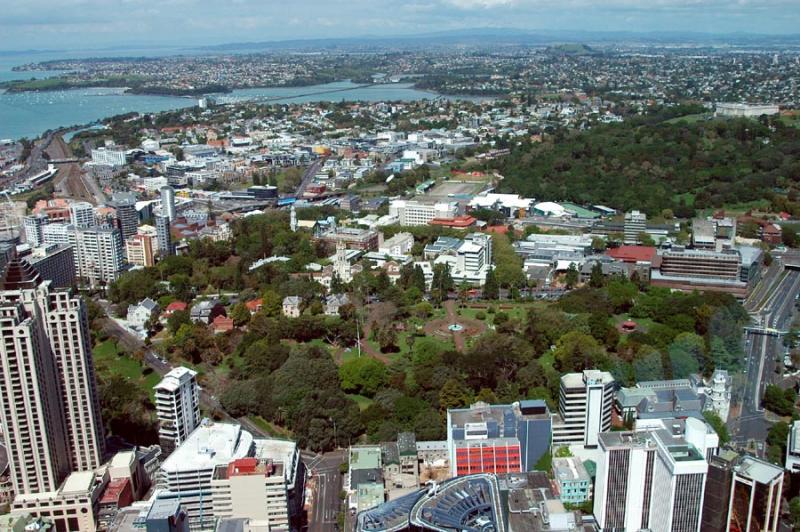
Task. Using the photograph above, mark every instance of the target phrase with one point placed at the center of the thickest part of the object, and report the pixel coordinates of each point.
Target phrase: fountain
(456, 327)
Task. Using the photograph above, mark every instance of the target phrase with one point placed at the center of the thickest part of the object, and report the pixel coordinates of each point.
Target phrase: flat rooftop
(365, 457)
(211, 444)
(758, 470)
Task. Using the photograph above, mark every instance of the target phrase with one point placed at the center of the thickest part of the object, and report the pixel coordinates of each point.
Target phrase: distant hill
(572, 49)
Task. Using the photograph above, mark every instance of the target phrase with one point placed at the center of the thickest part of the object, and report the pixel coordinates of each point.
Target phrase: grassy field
(270, 428)
(109, 360)
(691, 119)
(363, 402)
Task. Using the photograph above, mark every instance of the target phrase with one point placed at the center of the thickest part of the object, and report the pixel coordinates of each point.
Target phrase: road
(308, 176)
(762, 350)
(324, 487)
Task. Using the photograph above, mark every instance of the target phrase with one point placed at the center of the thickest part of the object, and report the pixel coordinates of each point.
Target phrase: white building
(585, 403)
(635, 225)
(399, 244)
(292, 306)
(510, 204)
(266, 488)
(177, 399)
(341, 264)
(652, 479)
(471, 261)
(81, 214)
(109, 157)
(168, 203)
(188, 472)
(140, 314)
(793, 448)
(413, 212)
(745, 109)
(718, 391)
(34, 229)
(99, 253)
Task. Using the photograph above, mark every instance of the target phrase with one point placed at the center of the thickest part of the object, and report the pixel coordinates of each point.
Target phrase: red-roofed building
(771, 234)
(458, 222)
(632, 254)
(118, 494)
(222, 324)
(254, 305)
(172, 308)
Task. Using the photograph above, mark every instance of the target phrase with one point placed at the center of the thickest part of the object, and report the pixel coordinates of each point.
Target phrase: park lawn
(362, 402)
(644, 323)
(270, 428)
(690, 119)
(109, 360)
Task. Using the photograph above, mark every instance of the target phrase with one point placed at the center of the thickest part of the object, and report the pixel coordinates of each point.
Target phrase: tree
(576, 351)
(778, 400)
(453, 395)
(788, 236)
(571, 277)
(598, 244)
(794, 512)
(442, 282)
(491, 289)
(597, 279)
(176, 319)
(718, 425)
(240, 315)
(363, 375)
(646, 240)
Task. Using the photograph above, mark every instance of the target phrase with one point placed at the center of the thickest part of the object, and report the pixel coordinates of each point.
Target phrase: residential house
(254, 305)
(142, 312)
(222, 324)
(292, 306)
(206, 311)
(334, 302)
(172, 308)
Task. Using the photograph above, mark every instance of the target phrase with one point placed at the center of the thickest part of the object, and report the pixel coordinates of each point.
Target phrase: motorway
(763, 347)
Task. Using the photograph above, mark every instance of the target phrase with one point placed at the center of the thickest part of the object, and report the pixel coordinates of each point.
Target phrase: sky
(91, 24)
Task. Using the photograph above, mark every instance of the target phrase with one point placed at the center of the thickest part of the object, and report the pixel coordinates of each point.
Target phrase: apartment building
(164, 236)
(34, 229)
(81, 214)
(99, 253)
(177, 399)
(109, 157)
(55, 263)
(125, 211)
(168, 203)
(139, 250)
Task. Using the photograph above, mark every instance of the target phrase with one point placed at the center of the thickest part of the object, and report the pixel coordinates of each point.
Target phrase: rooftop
(175, 378)
(365, 457)
(569, 470)
(78, 482)
(211, 444)
(758, 470)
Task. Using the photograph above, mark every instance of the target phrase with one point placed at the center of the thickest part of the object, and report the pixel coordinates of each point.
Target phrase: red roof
(458, 221)
(222, 323)
(118, 492)
(254, 304)
(632, 253)
(176, 306)
(242, 466)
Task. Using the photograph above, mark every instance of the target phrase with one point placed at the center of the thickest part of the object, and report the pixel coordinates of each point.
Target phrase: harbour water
(29, 114)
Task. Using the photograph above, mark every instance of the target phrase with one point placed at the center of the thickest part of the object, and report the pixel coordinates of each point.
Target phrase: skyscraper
(178, 407)
(30, 400)
(127, 217)
(652, 479)
(168, 203)
(164, 235)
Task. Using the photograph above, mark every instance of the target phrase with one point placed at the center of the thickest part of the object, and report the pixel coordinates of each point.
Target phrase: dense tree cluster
(650, 165)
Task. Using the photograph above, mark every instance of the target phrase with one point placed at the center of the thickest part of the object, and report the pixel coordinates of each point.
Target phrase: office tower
(585, 403)
(652, 479)
(178, 407)
(742, 493)
(34, 225)
(164, 235)
(139, 250)
(168, 203)
(30, 405)
(635, 225)
(81, 214)
(497, 438)
(99, 254)
(127, 217)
